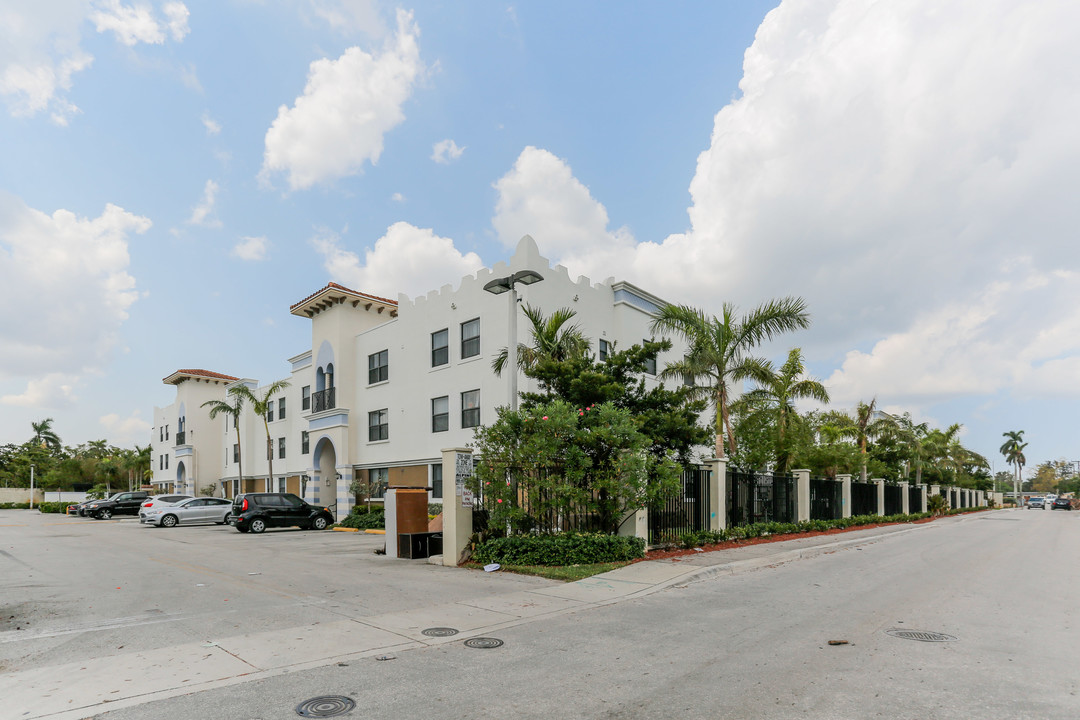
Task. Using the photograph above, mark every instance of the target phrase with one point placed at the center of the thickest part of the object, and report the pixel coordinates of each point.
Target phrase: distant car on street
(1036, 502)
(1061, 504)
(188, 512)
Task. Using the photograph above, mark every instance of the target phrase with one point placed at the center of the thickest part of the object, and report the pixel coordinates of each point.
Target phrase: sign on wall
(463, 470)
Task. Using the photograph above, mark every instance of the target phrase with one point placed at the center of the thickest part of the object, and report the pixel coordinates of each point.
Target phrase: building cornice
(334, 294)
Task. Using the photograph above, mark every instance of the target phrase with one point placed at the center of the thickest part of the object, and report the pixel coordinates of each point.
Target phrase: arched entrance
(181, 478)
(323, 488)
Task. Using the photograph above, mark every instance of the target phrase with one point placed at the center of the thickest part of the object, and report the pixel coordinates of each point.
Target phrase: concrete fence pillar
(845, 495)
(905, 498)
(922, 498)
(802, 495)
(457, 504)
(718, 494)
(880, 495)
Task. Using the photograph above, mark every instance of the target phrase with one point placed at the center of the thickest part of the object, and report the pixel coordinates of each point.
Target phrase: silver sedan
(189, 512)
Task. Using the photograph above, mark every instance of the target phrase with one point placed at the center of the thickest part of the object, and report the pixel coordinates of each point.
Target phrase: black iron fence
(826, 499)
(760, 497)
(894, 499)
(545, 507)
(684, 513)
(863, 498)
(915, 499)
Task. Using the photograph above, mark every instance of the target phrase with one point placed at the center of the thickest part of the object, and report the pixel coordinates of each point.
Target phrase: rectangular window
(166, 462)
(160, 462)
(236, 452)
(378, 479)
(605, 348)
(281, 409)
(280, 447)
(440, 414)
(378, 429)
(270, 411)
(650, 363)
(161, 433)
(226, 457)
(378, 367)
(166, 432)
(281, 485)
(305, 442)
(440, 347)
(436, 481)
(470, 338)
(470, 409)
(305, 397)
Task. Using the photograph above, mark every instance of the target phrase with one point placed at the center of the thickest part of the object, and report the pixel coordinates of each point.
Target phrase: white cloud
(398, 197)
(133, 24)
(202, 213)
(407, 259)
(349, 15)
(348, 105)
(445, 151)
(54, 391)
(211, 125)
(250, 248)
(65, 280)
(124, 431)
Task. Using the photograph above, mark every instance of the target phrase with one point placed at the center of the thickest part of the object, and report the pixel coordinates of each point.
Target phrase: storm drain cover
(920, 635)
(439, 632)
(325, 706)
(483, 643)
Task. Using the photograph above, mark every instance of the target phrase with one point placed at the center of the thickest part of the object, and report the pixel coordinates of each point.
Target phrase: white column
(845, 495)
(905, 501)
(880, 495)
(802, 495)
(390, 513)
(457, 503)
(922, 507)
(718, 494)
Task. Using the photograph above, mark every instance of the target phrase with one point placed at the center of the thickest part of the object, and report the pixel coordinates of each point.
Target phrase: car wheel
(224, 521)
(258, 525)
(168, 521)
(105, 514)
(318, 523)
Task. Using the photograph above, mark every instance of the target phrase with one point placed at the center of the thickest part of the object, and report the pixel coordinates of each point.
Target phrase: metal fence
(826, 499)
(686, 512)
(546, 509)
(863, 498)
(894, 499)
(915, 499)
(760, 497)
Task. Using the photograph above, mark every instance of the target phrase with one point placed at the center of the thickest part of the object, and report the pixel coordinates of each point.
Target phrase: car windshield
(185, 503)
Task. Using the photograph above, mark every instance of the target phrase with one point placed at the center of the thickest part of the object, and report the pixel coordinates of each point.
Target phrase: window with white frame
(436, 481)
(470, 409)
(281, 409)
(650, 363)
(470, 338)
(378, 427)
(305, 442)
(440, 414)
(605, 349)
(280, 447)
(305, 397)
(440, 347)
(270, 411)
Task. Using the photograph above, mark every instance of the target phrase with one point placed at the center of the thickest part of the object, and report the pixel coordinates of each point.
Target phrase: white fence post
(845, 495)
(458, 512)
(718, 494)
(880, 496)
(905, 498)
(802, 495)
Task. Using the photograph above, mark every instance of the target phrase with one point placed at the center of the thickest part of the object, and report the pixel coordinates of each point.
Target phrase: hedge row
(362, 519)
(562, 549)
(55, 507)
(15, 506)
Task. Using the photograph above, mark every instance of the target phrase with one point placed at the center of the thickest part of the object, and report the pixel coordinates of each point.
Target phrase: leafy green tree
(719, 350)
(863, 427)
(233, 411)
(775, 398)
(911, 436)
(260, 404)
(45, 436)
(1013, 450)
(552, 339)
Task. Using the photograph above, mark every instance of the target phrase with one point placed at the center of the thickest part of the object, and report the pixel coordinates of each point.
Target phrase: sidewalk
(82, 689)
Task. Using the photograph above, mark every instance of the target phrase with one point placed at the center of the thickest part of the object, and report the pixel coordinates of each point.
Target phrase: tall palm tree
(864, 427)
(939, 449)
(912, 436)
(234, 412)
(45, 436)
(552, 339)
(778, 394)
(259, 405)
(1013, 450)
(719, 350)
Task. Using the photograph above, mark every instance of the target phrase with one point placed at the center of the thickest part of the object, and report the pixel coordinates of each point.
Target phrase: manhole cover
(325, 706)
(439, 632)
(920, 635)
(483, 643)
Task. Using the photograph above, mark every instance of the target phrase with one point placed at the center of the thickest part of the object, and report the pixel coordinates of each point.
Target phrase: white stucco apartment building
(384, 387)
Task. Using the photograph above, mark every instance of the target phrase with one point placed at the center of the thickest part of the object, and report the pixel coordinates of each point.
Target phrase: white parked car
(189, 512)
(160, 501)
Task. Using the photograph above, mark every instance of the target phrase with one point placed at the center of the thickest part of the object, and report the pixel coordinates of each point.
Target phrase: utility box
(406, 515)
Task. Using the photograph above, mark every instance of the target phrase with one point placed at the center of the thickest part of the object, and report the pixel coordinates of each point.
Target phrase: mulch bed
(676, 553)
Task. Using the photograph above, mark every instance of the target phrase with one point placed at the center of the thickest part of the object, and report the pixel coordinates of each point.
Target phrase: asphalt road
(752, 644)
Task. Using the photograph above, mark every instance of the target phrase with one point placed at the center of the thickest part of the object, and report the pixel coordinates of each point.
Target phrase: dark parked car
(1061, 504)
(79, 509)
(122, 503)
(257, 511)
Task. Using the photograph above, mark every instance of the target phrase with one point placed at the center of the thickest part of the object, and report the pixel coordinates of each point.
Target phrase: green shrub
(14, 506)
(55, 507)
(363, 519)
(562, 549)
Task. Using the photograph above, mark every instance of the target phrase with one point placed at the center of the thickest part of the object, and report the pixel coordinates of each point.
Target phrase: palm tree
(912, 436)
(234, 411)
(864, 427)
(44, 436)
(719, 350)
(1013, 450)
(552, 339)
(260, 405)
(777, 395)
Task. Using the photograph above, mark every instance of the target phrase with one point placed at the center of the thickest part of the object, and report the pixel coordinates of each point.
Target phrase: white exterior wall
(199, 456)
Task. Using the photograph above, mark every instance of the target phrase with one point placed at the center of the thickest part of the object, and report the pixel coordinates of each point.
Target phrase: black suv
(258, 511)
(122, 503)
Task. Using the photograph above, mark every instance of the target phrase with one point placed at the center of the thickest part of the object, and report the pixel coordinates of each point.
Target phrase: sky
(174, 175)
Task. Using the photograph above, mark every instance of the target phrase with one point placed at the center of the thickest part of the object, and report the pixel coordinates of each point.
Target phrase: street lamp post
(508, 284)
(31, 486)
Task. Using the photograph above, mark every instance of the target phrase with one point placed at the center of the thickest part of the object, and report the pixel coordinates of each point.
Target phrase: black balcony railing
(180, 437)
(323, 400)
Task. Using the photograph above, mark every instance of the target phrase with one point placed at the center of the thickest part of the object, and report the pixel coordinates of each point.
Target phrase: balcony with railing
(323, 400)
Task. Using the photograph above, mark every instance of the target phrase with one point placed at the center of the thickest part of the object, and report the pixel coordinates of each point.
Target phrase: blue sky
(175, 174)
